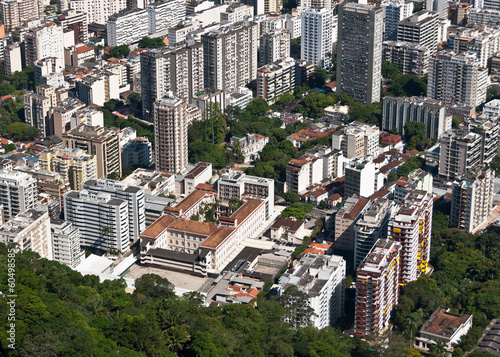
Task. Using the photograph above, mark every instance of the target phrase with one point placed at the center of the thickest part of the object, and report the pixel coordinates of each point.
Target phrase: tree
(153, 286)
(148, 42)
(234, 204)
(176, 337)
(456, 121)
(389, 70)
(392, 177)
(119, 51)
(298, 313)
(318, 78)
(291, 197)
(414, 320)
(21, 131)
(322, 204)
(134, 97)
(415, 130)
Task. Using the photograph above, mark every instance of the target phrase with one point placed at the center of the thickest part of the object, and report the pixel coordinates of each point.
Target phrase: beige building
(102, 142)
(170, 122)
(345, 220)
(73, 165)
(37, 109)
(30, 230)
(15, 12)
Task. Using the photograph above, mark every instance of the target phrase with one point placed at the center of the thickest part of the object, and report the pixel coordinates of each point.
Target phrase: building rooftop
(158, 226)
(443, 323)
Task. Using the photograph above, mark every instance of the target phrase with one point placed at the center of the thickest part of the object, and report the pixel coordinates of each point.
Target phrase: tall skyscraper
(472, 199)
(18, 192)
(170, 122)
(317, 36)
(178, 70)
(359, 51)
(43, 42)
(440, 6)
(37, 109)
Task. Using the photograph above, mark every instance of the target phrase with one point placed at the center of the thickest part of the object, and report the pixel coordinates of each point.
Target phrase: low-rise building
(153, 182)
(201, 173)
(443, 326)
(357, 140)
(288, 230)
(248, 146)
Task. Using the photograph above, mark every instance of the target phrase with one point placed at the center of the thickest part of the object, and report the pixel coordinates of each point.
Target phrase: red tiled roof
(356, 209)
(292, 224)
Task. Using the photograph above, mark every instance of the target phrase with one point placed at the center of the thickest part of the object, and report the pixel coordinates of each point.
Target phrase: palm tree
(414, 320)
(106, 231)
(438, 350)
(176, 337)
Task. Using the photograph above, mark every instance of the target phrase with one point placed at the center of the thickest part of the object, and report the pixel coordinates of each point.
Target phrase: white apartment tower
(163, 15)
(66, 243)
(457, 79)
(133, 195)
(44, 42)
(98, 11)
(178, 70)
(230, 56)
(359, 51)
(439, 6)
(472, 199)
(102, 220)
(18, 192)
(127, 27)
(317, 36)
(171, 132)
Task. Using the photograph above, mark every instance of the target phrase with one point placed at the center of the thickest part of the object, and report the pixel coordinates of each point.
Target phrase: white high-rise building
(43, 42)
(457, 79)
(317, 36)
(18, 192)
(98, 11)
(127, 27)
(66, 243)
(30, 230)
(359, 51)
(472, 199)
(440, 6)
(322, 278)
(103, 221)
(134, 195)
(163, 15)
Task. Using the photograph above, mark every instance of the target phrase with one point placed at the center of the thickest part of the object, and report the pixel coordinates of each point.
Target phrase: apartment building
(303, 172)
(395, 11)
(44, 42)
(179, 70)
(484, 17)
(457, 79)
(137, 153)
(293, 23)
(249, 146)
(30, 230)
(103, 221)
(18, 193)
(371, 226)
(411, 226)
(133, 195)
(230, 55)
(489, 132)
(236, 13)
(13, 61)
(127, 27)
(75, 21)
(15, 12)
(397, 111)
(416, 180)
(38, 109)
(274, 46)
(66, 243)
(102, 142)
(377, 288)
(472, 199)
(239, 185)
(439, 6)
(276, 79)
(98, 11)
(420, 28)
(356, 140)
(74, 165)
(460, 151)
(170, 122)
(317, 36)
(163, 15)
(345, 221)
(409, 57)
(362, 178)
(322, 279)
(359, 51)
(485, 43)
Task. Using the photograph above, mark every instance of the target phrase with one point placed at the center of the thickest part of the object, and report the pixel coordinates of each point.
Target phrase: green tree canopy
(148, 42)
